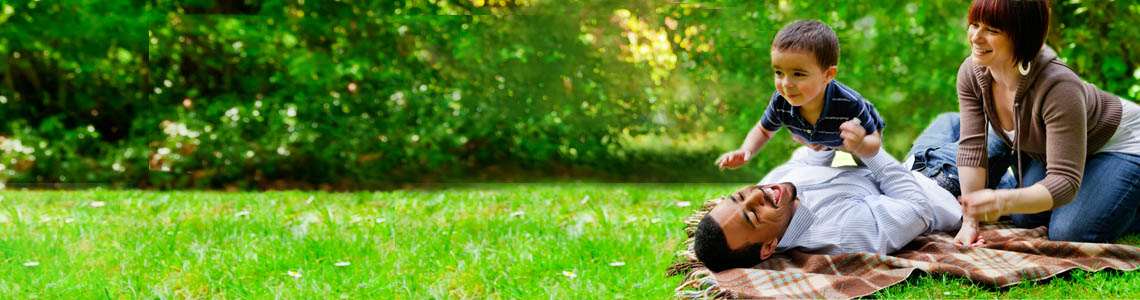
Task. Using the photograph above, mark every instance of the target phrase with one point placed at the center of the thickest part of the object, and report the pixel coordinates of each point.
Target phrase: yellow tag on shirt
(843, 159)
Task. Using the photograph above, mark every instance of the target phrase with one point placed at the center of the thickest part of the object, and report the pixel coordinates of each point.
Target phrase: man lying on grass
(809, 206)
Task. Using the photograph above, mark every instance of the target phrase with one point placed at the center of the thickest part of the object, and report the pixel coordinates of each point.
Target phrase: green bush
(365, 94)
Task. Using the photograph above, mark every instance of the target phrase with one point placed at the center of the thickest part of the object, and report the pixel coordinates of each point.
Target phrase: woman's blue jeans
(1106, 206)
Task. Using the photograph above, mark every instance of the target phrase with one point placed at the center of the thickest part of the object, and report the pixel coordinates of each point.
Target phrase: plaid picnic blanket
(1011, 255)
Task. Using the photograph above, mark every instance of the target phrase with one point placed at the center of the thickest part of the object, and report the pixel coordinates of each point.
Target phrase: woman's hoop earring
(1024, 71)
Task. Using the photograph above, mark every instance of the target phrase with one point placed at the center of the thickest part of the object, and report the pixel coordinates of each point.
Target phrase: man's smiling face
(756, 214)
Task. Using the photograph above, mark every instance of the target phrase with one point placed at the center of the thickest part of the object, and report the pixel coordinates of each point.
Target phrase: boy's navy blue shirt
(840, 104)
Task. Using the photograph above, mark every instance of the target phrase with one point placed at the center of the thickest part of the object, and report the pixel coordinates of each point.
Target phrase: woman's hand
(734, 159)
(982, 205)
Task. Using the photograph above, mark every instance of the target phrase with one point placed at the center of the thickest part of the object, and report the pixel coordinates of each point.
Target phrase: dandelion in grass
(31, 264)
(342, 264)
(517, 213)
(569, 274)
(617, 264)
(294, 274)
(241, 214)
(684, 203)
(98, 203)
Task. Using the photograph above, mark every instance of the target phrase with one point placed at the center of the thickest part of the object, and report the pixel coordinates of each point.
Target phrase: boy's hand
(855, 139)
(733, 159)
(813, 147)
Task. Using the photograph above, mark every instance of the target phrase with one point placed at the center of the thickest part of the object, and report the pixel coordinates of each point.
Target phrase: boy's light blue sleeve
(771, 120)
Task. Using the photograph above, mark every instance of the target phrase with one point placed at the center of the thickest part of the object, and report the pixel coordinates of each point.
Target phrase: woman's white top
(1127, 137)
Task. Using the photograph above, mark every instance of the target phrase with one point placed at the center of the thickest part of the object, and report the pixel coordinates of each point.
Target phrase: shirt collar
(802, 219)
(830, 91)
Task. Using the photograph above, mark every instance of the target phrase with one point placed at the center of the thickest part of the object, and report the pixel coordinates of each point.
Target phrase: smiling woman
(1075, 152)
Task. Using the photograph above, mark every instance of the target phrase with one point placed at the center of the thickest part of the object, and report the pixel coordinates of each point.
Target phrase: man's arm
(892, 178)
(901, 212)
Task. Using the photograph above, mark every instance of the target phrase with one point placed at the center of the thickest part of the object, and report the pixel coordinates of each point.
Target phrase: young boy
(820, 112)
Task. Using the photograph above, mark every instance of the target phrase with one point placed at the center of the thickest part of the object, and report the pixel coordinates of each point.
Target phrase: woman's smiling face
(989, 46)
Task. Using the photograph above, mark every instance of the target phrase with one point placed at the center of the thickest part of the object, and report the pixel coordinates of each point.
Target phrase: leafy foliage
(347, 94)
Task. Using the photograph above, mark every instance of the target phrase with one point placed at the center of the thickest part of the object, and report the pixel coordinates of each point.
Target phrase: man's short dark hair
(1026, 22)
(813, 36)
(712, 249)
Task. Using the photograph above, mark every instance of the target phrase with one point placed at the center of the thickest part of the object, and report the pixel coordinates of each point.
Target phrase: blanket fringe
(697, 282)
(700, 285)
(682, 268)
(710, 204)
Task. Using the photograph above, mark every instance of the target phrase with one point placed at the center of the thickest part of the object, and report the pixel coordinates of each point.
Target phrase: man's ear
(769, 248)
(831, 72)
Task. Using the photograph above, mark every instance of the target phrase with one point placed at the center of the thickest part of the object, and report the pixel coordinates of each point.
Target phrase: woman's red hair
(1025, 22)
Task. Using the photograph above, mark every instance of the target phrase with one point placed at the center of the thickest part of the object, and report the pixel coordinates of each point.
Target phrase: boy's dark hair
(1026, 22)
(813, 36)
(712, 249)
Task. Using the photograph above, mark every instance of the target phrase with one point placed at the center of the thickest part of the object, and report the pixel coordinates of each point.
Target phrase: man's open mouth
(776, 194)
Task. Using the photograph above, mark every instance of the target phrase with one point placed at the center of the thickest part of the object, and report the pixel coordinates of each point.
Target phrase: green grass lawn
(564, 240)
